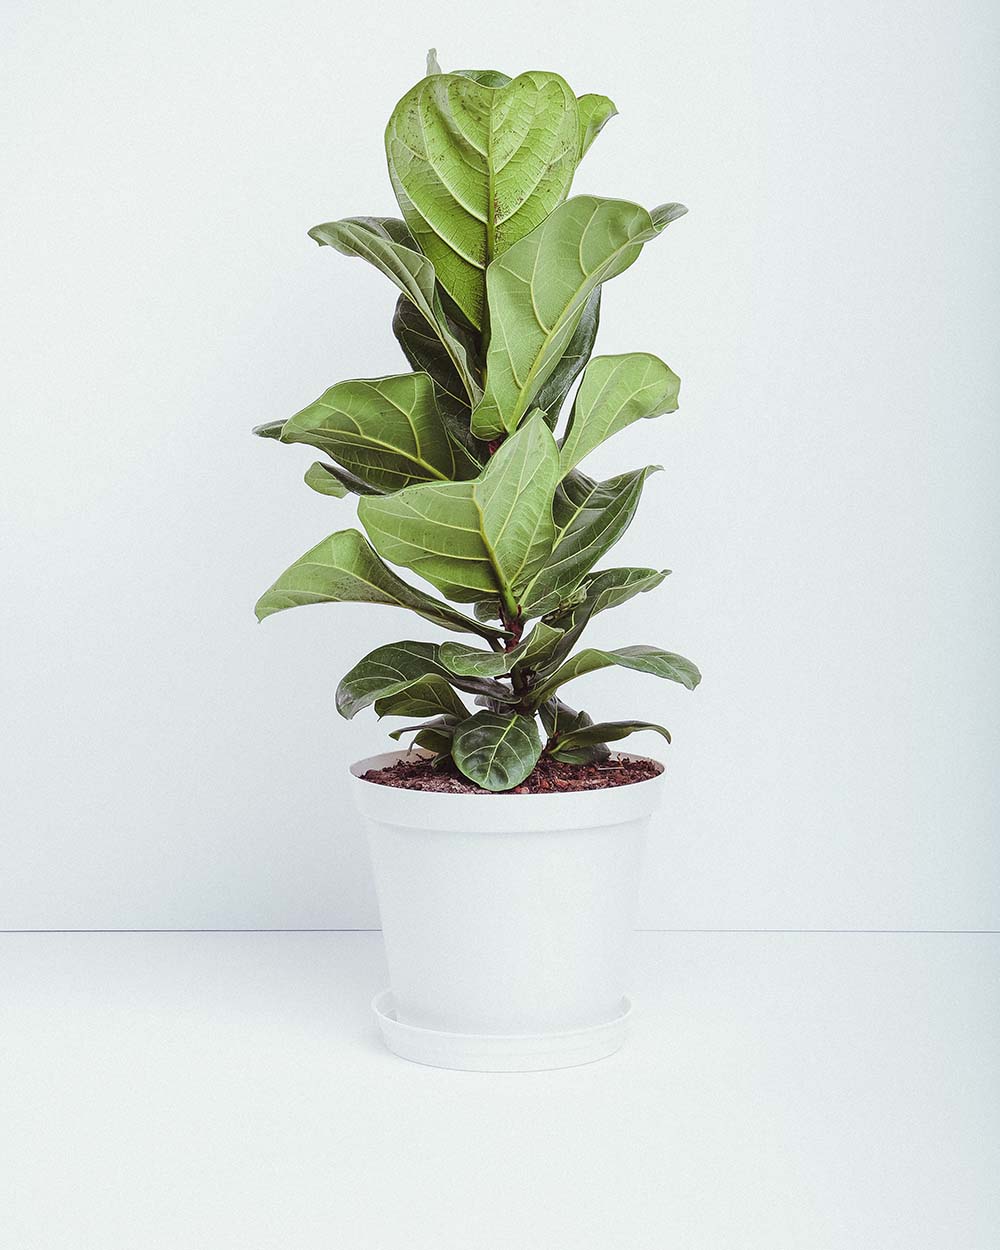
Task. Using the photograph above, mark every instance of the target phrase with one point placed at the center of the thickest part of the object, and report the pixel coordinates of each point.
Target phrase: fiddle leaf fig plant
(462, 473)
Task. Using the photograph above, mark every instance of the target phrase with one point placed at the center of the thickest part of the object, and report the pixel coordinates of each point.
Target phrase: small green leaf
(344, 569)
(641, 658)
(434, 735)
(664, 214)
(324, 481)
(577, 746)
(475, 166)
(496, 751)
(329, 479)
(270, 429)
(595, 112)
(537, 291)
(614, 392)
(559, 718)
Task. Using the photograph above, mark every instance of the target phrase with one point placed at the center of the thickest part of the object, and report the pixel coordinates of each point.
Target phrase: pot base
(485, 1052)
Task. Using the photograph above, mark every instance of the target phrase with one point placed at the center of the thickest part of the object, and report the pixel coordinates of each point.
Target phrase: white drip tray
(486, 1052)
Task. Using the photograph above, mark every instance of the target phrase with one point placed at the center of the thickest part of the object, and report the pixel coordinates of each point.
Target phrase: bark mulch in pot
(549, 776)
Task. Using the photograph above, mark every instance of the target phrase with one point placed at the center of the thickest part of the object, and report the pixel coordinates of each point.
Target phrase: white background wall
(829, 504)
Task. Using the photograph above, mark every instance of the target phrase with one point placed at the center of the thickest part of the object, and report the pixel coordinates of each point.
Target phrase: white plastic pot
(507, 920)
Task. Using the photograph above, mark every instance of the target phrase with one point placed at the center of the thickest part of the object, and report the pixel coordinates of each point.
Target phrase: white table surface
(787, 1091)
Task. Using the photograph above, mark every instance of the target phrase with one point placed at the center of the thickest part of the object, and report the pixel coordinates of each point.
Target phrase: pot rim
(385, 758)
(434, 810)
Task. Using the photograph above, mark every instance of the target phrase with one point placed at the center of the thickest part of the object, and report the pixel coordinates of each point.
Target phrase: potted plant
(506, 843)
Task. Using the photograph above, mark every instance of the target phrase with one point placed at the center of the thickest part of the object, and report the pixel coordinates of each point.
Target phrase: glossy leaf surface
(496, 751)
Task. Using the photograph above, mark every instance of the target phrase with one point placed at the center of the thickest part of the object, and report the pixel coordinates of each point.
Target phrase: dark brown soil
(549, 776)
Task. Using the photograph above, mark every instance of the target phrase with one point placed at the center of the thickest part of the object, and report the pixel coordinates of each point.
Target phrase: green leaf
(475, 167)
(429, 696)
(270, 429)
(552, 393)
(388, 671)
(590, 517)
(537, 291)
(578, 745)
(434, 735)
(595, 112)
(664, 214)
(328, 479)
(559, 719)
(474, 540)
(385, 431)
(488, 77)
(468, 661)
(614, 392)
(388, 245)
(608, 588)
(426, 354)
(496, 751)
(323, 479)
(641, 658)
(398, 667)
(599, 591)
(344, 569)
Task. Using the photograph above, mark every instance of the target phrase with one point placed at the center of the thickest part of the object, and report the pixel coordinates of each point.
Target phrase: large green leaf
(641, 658)
(552, 393)
(386, 431)
(388, 245)
(344, 569)
(397, 667)
(614, 392)
(496, 751)
(537, 291)
(475, 539)
(468, 661)
(590, 517)
(475, 167)
(577, 746)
